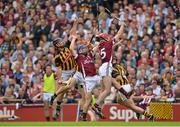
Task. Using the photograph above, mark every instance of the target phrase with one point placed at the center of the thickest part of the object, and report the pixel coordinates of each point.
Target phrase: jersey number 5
(103, 53)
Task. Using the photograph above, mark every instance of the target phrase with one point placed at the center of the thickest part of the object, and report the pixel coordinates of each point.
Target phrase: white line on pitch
(93, 126)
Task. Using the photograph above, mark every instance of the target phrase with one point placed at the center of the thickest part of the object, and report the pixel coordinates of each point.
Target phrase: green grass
(157, 124)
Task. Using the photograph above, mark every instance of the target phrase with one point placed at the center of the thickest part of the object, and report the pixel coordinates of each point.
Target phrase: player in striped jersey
(64, 58)
(121, 74)
(65, 68)
(125, 90)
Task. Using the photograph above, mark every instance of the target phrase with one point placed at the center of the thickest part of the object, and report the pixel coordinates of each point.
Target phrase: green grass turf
(157, 124)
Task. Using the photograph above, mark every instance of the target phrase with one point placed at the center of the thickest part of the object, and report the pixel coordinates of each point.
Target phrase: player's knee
(88, 101)
(86, 105)
(68, 87)
(107, 91)
(130, 105)
(88, 98)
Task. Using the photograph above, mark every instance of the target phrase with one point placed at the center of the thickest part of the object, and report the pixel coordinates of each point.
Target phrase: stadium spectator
(1, 88)
(177, 90)
(8, 94)
(22, 94)
(156, 88)
(162, 97)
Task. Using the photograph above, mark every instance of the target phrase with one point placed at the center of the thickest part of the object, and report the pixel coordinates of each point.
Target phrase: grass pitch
(91, 124)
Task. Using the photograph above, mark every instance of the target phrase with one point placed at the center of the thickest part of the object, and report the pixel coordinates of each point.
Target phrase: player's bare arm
(120, 32)
(118, 43)
(74, 27)
(73, 45)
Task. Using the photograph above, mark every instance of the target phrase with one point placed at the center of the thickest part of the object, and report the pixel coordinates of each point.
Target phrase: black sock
(146, 114)
(97, 106)
(59, 102)
(47, 118)
(80, 110)
(55, 95)
(58, 107)
(84, 114)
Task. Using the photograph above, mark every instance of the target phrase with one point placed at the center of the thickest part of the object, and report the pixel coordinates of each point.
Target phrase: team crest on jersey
(88, 60)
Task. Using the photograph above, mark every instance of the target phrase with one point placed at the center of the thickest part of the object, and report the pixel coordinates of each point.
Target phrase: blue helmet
(80, 47)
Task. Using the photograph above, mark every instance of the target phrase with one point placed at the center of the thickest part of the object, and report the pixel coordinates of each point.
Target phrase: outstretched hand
(74, 36)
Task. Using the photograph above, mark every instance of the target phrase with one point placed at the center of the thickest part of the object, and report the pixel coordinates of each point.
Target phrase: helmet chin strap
(104, 39)
(83, 53)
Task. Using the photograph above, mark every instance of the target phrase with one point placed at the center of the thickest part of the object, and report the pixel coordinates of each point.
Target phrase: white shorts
(47, 96)
(91, 83)
(127, 88)
(79, 78)
(122, 97)
(105, 69)
(67, 74)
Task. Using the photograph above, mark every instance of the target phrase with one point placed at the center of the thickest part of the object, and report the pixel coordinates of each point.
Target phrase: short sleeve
(57, 61)
(68, 43)
(115, 73)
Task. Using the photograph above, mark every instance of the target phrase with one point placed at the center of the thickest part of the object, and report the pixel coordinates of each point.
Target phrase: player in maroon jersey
(86, 68)
(105, 47)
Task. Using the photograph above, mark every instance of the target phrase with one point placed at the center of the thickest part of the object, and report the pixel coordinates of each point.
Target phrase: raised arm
(74, 27)
(58, 72)
(120, 32)
(118, 43)
(73, 45)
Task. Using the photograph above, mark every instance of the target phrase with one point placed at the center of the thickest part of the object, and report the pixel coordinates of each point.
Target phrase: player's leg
(129, 103)
(105, 72)
(8, 117)
(92, 115)
(64, 88)
(82, 101)
(57, 110)
(106, 82)
(65, 85)
(81, 88)
(90, 84)
(60, 96)
(46, 98)
(88, 98)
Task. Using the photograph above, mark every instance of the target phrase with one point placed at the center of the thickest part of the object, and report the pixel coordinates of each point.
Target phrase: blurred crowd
(150, 49)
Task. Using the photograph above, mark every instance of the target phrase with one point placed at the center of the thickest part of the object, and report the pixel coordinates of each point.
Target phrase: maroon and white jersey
(86, 64)
(106, 51)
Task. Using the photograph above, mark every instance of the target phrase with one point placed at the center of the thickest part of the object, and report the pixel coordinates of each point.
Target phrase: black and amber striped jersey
(65, 60)
(120, 74)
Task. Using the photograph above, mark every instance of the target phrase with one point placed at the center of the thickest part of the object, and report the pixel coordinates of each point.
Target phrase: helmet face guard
(58, 43)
